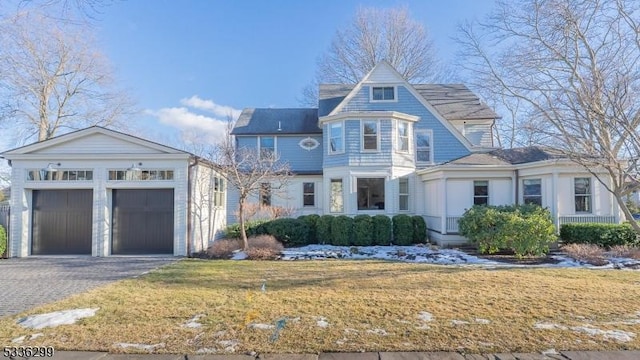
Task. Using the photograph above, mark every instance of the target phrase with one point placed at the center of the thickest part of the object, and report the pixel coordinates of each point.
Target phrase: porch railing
(452, 224)
(587, 219)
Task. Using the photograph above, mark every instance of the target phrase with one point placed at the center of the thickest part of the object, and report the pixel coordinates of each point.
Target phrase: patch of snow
(550, 352)
(350, 331)
(425, 316)
(193, 322)
(482, 321)
(380, 332)
(618, 335)
(485, 344)
(548, 326)
(295, 319)
(19, 340)
(229, 345)
(239, 255)
(35, 336)
(459, 322)
(149, 348)
(261, 326)
(206, 351)
(321, 322)
(65, 317)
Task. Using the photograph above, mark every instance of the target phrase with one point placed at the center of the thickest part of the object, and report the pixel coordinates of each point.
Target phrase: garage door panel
(142, 221)
(62, 222)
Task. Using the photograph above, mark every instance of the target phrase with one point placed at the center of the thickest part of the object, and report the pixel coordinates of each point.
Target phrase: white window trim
(395, 94)
(344, 143)
(541, 190)
(590, 195)
(397, 137)
(315, 195)
(362, 149)
(275, 144)
(473, 191)
(415, 137)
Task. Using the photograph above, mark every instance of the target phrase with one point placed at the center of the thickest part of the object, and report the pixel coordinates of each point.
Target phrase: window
(218, 191)
(59, 175)
(423, 145)
(386, 93)
(140, 175)
(582, 193)
(265, 194)
(403, 136)
(370, 194)
(370, 135)
(337, 204)
(308, 194)
(336, 143)
(480, 193)
(403, 194)
(532, 191)
(267, 147)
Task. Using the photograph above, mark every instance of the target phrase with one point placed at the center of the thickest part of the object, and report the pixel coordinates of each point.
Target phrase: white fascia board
(55, 157)
(369, 115)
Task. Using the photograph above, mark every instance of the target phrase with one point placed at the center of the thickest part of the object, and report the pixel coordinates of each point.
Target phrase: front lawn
(219, 306)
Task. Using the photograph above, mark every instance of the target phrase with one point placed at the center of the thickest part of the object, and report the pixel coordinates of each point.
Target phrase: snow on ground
(193, 322)
(322, 322)
(65, 317)
(149, 348)
(429, 255)
(618, 335)
(261, 326)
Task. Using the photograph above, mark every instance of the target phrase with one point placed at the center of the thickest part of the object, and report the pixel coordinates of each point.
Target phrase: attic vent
(309, 143)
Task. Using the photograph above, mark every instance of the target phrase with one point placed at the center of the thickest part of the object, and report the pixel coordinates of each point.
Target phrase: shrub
(605, 235)
(312, 223)
(3, 240)
(323, 229)
(589, 253)
(362, 230)
(625, 251)
(291, 232)
(263, 247)
(341, 230)
(381, 230)
(402, 229)
(223, 248)
(419, 229)
(525, 229)
(256, 227)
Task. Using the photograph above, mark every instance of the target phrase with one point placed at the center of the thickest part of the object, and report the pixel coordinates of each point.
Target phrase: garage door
(142, 221)
(61, 222)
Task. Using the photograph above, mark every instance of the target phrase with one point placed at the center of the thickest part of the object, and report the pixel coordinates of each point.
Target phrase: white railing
(587, 219)
(452, 224)
(433, 223)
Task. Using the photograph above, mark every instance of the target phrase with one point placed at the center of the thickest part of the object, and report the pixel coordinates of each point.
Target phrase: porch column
(443, 198)
(554, 203)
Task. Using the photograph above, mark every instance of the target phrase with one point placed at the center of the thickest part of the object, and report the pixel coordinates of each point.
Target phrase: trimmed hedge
(290, 232)
(311, 221)
(402, 229)
(341, 230)
(524, 229)
(362, 230)
(381, 230)
(605, 235)
(323, 229)
(3, 240)
(419, 229)
(253, 228)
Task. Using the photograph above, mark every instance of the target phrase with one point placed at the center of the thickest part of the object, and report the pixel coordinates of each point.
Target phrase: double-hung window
(267, 147)
(532, 191)
(582, 193)
(481, 192)
(383, 93)
(424, 145)
(308, 194)
(403, 195)
(370, 135)
(336, 138)
(337, 203)
(403, 136)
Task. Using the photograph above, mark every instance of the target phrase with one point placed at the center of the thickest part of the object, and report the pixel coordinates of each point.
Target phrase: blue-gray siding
(299, 159)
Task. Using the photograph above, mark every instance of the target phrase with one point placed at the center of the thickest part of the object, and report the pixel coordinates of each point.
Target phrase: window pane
(370, 143)
(266, 142)
(388, 93)
(89, 175)
(404, 202)
(480, 188)
(404, 186)
(336, 195)
(308, 187)
(377, 93)
(370, 194)
(335, 140)
(480, 200)
(370, 127)
(309, 200)
(403, 129)
(582, 186)
(422, 139)
(534, 200)
(169, 174)
(532, 187)
(424, 155)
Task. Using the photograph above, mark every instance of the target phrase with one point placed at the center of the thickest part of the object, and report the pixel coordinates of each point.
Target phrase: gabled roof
(513, 156)
(256, 121)
(87, 135)
(452, 101)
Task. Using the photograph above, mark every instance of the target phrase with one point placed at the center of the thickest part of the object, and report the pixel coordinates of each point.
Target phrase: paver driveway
(34, 281)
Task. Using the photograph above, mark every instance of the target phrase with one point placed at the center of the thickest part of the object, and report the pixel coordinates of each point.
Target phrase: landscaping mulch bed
(508, 257)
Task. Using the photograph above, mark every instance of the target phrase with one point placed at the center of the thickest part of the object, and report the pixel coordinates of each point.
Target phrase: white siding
(383, 74)
(500, 192)
(98, 144)
(459, 196)
(208, 220)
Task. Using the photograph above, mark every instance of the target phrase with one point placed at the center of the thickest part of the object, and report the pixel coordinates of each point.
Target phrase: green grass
(359, 299)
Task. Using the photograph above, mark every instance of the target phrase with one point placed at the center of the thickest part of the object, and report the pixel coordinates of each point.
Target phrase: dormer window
(383, 93)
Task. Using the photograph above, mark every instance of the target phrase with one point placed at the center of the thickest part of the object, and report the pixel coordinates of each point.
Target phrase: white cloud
(220, 111)
(187, 121)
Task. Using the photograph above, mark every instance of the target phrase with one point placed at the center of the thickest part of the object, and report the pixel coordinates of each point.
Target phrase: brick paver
(34, 281)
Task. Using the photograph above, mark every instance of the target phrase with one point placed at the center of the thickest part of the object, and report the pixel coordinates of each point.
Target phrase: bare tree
(246, 169)
(574, 68)
(67, 10)
(374, 35)
(52, 79)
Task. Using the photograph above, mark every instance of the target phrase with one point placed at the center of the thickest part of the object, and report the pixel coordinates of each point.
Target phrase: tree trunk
(627, 213)
(243, 232)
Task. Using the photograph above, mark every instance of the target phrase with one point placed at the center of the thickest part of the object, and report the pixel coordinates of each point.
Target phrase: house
(101, 192)
(384, 146)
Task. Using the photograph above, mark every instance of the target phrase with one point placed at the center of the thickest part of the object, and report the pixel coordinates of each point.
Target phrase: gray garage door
(142, 222)
(61, 222)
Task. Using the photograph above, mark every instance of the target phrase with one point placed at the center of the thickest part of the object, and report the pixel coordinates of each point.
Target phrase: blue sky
(188, 63)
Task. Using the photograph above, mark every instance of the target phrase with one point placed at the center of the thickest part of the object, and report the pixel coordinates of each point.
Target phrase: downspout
(189, 199)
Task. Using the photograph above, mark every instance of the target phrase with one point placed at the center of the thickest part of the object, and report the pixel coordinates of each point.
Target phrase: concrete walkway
(565, 355)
